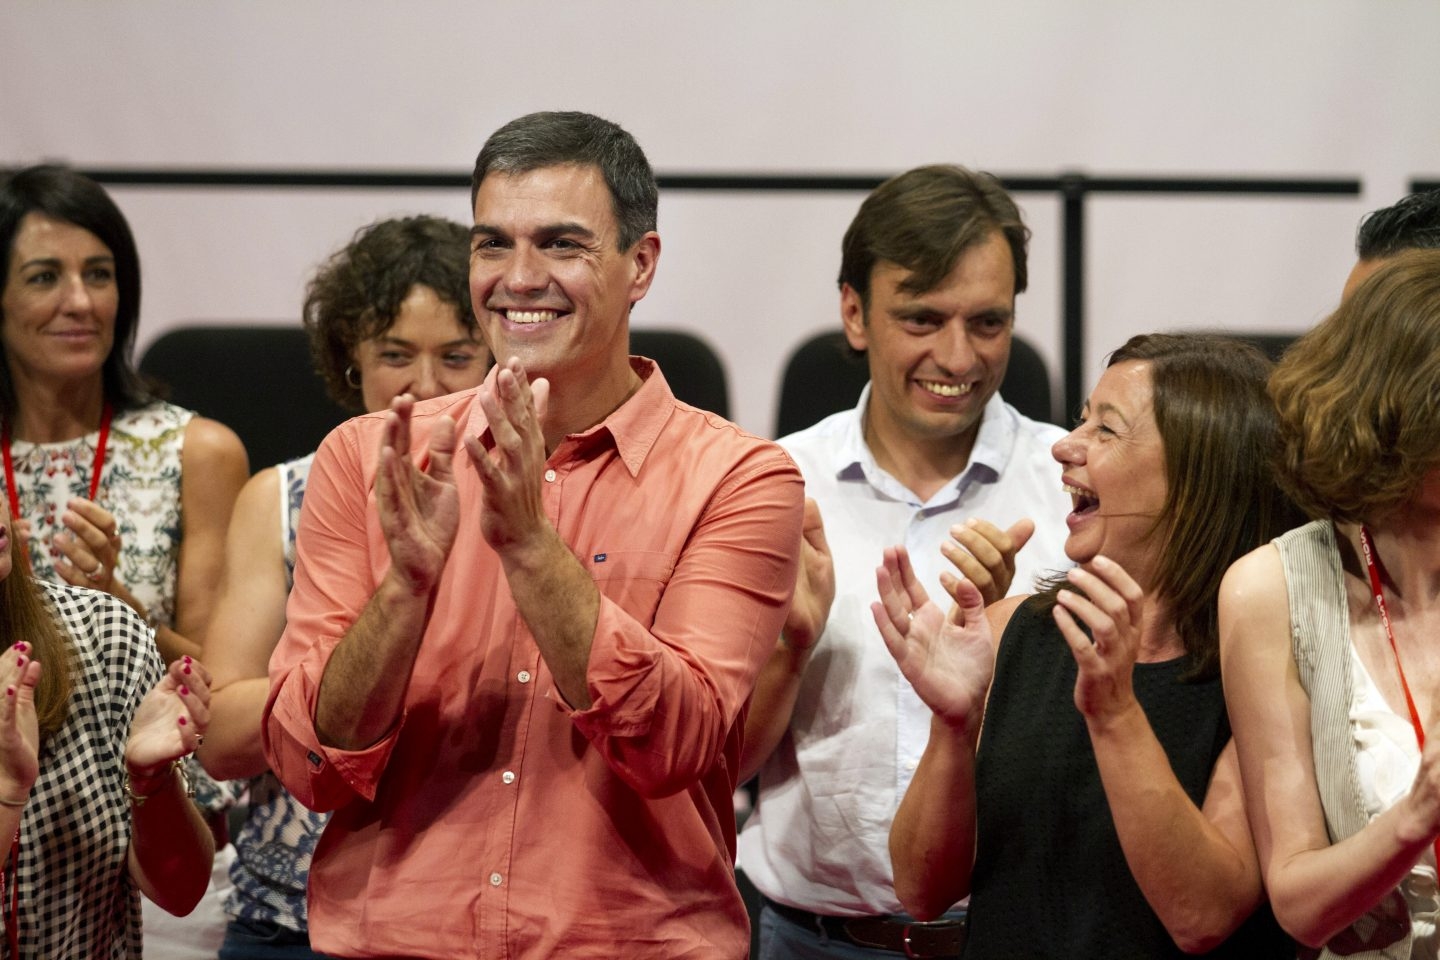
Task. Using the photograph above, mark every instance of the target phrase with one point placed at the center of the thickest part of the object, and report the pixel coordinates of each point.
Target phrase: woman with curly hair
(1329, 635)
(388, 314)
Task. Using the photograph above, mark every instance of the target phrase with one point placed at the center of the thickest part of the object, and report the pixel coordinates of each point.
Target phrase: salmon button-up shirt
(494, 820)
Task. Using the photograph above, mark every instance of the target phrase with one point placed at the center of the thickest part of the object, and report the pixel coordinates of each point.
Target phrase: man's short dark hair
(1411, 224)
(551, 138)
(923, 220)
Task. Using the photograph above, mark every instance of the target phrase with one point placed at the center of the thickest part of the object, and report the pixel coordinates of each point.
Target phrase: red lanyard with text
(10, 876)
(1373, 566)
(96, 470)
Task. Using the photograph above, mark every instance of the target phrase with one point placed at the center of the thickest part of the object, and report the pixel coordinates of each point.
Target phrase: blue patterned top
(274, 847)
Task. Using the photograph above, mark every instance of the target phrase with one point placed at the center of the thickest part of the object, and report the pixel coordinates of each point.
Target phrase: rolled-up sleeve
(334, 580)
(666, 697)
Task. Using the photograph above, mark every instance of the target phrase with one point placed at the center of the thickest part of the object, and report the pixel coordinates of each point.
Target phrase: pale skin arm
(554, 595)
(949, 659)
(1317, 889)
(171, 847)
(248, 620)
(213, 468)
(362, 692)
(778, 685)
(1196, 867)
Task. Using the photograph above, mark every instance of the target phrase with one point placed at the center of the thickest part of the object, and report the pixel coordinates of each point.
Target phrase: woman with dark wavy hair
(114, 489)
(93, 801)
(1330, 636)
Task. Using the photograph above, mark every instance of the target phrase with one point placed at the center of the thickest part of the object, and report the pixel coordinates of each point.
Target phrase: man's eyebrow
(562, 228)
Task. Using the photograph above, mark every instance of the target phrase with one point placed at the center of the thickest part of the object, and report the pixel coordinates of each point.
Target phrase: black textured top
(1050, 878)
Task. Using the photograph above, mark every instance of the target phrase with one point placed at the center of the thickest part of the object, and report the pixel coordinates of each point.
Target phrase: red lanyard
(10, 873)
(1374, 568)
(14, 494)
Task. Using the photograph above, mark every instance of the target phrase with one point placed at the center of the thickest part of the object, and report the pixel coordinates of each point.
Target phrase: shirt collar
(632, 427)
(994, 443)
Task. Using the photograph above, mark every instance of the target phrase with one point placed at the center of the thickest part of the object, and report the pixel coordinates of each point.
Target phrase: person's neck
(577, 410)
(1159, 640)
(48, 412)
(922, 468)
(1407, 547)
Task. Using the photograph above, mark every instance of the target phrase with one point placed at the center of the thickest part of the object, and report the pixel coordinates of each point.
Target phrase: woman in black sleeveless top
(1101, 814)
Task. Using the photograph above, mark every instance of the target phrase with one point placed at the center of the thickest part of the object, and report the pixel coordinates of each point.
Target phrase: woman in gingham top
(93, 807)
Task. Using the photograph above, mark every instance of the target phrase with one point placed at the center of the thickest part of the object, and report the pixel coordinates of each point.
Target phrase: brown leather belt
(909, 938)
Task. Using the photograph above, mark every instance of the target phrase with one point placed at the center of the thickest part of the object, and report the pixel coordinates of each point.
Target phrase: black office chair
(257, 380)
(691, 367)
(822, 377)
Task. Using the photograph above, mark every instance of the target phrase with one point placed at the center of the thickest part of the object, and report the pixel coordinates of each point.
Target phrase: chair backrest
(257, 380)
(822, 377)
(691, 367)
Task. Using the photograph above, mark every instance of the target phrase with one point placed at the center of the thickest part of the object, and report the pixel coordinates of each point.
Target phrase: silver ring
(199, 740)
(910, 615)
(97, 573)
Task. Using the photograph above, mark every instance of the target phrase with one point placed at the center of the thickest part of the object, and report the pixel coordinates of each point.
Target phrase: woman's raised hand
(948, 658)
(171, 721)
(89, 547)
(1111, 608)
(19, 728)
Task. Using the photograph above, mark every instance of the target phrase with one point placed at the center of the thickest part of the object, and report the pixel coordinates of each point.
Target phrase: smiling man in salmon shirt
(527, 618)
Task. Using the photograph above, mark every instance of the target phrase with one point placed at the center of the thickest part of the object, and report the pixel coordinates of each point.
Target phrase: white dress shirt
(819, 838)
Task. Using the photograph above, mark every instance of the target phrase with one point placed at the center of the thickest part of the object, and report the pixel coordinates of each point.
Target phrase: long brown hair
(24, 615)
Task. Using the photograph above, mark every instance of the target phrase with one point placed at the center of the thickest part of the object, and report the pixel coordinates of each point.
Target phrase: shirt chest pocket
(634, 579)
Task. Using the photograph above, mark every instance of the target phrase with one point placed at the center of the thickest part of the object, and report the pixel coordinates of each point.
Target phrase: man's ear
(852, 315)
(643, 256)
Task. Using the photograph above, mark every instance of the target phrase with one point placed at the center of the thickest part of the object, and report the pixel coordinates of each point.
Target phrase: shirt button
(508, 776)
(523, 676)
(550, 475)
(494, 879)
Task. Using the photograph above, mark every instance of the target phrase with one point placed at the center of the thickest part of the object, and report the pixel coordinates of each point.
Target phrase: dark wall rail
(1073, 188)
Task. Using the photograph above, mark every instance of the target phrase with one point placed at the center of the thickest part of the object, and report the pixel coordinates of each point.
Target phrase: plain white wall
(1320, 88)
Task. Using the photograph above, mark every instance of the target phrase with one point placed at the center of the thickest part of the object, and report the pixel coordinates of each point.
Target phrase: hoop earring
(352, 378)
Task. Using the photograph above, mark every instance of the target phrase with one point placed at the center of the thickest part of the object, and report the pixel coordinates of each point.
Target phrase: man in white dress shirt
(933, 458)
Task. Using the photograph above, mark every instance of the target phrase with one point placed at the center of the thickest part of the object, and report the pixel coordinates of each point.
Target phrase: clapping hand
(19, 728)
(171, 721)
(419, 509)
(1111, 608)
(814, 585)
(948, 658)
(89, 547)
(985, 555)
(511, 471)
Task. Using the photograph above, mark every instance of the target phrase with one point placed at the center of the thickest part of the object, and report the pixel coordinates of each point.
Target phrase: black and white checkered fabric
(76, 896)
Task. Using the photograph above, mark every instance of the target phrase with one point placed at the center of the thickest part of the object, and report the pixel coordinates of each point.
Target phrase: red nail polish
(21, 646)
(9, 691)
(187, 669)
(182, 721)
(187, 660)
(184, 691)
(20, 662)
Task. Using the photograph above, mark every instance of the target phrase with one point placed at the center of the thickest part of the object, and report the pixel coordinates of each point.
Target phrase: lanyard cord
(1372, 564)
(99, 466)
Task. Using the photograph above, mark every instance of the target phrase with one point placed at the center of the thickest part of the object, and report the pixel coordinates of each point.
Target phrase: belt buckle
(905, 939)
